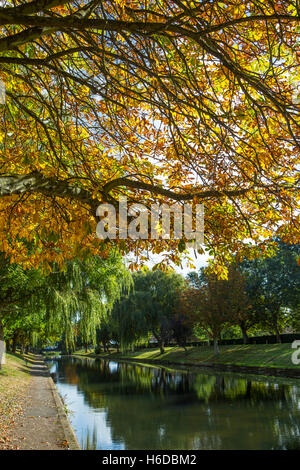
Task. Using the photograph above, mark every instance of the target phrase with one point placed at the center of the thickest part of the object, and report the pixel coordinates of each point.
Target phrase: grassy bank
(255, 355)
(14, 382)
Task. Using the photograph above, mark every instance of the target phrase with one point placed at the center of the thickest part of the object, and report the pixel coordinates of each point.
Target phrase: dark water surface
(128, 406)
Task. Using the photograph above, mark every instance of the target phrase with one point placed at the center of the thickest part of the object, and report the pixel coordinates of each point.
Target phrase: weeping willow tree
(149, 309)
(127, 321)
(80, 297)
(71, 302)
(17, 287)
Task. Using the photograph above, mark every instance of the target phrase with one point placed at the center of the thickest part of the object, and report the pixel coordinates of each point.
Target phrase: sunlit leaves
(191, 96)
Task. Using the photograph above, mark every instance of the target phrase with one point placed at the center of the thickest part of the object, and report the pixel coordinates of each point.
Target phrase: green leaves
(149, 307)
(71, 301)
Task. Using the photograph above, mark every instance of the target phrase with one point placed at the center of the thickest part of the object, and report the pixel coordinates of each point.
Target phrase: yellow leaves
(186, 123)
(290, 179)
(219, 269)
(292, 9)
(120, 3)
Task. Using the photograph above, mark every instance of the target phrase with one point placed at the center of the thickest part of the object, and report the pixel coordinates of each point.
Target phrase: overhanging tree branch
(54, 187)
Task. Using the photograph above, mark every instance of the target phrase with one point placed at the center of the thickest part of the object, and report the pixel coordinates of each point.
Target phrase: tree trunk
(278, 338)
(275, 311)
(216, 346)
(14, 343)
(244, 333)
(160, 342)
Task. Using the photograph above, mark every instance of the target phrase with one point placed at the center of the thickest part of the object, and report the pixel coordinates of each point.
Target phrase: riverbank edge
(256, 370)
(69, 432)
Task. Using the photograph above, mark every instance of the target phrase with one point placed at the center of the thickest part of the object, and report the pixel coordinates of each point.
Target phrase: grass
(50, 354)
(14, 382)
(256, 355)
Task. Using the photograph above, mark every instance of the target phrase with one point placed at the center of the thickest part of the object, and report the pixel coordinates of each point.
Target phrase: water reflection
(130, 406)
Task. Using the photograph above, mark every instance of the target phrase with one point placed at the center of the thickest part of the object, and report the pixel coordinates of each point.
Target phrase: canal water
(118, 405)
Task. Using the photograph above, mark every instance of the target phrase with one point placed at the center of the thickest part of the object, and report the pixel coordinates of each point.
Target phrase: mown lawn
(14, 383)
(263, 355)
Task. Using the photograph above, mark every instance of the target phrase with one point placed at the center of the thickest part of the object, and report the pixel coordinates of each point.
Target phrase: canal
(119, 405)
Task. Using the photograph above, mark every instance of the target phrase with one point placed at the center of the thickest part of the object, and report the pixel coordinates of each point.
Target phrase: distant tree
(273, 288)
(196, 279)
(70, 301)
(239, 307)
(181, 328)
(150, 307)
(217, 302)
(209, 309)
(128, 320)
(103, 335)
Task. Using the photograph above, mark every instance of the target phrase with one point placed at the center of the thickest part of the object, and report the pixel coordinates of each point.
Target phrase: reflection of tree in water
(152, 408)
(90, 439)
(221, 388)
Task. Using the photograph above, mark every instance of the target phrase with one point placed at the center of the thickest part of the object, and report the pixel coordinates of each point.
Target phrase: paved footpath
(40, 427)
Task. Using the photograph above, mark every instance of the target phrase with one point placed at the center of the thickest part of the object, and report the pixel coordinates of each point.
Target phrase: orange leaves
(184, 111)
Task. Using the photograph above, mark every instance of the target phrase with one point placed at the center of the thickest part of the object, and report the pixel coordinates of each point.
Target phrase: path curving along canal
(122, 405)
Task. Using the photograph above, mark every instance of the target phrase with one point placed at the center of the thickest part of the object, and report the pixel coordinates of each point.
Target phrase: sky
(201, 260)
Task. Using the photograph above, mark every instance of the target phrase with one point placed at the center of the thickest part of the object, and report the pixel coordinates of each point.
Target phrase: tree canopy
(150, 309)
(273, 288)
(162, 101)
(70, 302)
(213, 303)
(259, 295)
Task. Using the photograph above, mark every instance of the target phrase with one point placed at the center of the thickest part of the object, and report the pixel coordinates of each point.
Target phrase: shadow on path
(40, 427)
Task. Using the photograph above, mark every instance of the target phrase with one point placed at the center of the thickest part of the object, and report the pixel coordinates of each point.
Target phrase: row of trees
(150, 309)
(37, 308)
(98, 301)
(261, 295)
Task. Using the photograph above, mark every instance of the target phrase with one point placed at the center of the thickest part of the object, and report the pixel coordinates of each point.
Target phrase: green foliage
(149, 309)
(260, 295)
(71, 301)
(273, 288)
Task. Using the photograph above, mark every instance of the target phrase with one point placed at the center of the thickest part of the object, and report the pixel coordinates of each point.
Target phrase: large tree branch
(50, 57)
(24, 37)
(33, 7)
(182, 196)
(103, 24)
(36, 182)
(44, 25)
(53, 187)
(47, 25)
